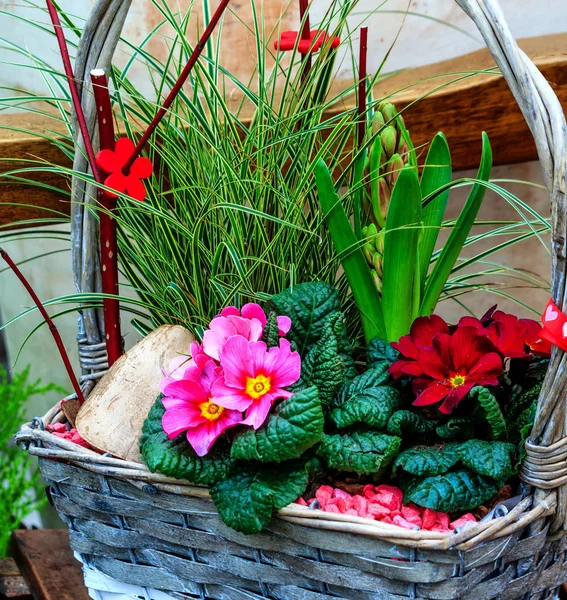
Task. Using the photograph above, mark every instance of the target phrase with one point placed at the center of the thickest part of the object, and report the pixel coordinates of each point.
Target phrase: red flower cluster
(446, 363)
(384, 503)
(60, 430)
(309, 45)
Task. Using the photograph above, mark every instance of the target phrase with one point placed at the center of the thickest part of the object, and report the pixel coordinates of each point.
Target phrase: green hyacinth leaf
(451, 492)
(246, 500)
(295, 426)
(176, 458)
(361, 453)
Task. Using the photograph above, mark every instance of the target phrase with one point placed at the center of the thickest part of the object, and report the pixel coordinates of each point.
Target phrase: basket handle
(546, 449)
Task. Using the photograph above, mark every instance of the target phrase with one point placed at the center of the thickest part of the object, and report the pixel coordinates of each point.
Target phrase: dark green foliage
(405, 421)
(492, 412)
(451, 492)
(309, 306)
(457, 428)
(380, 351)
(491, 459)
(245, 500)
(270, 335)
(361, 453)
(372, 406)
(295, 426)
(176, 458)
(427, 461)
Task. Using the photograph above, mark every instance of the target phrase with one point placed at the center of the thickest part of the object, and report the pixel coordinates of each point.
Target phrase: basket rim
(39, 442)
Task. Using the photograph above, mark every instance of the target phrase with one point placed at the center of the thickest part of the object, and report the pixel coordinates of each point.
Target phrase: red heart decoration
(554, 326)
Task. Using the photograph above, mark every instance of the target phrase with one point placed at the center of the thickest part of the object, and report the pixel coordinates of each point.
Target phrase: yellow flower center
(211, 411)
(257, 386)
(457, 380)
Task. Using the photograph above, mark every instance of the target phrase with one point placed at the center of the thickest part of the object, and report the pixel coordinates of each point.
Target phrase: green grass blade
(403, 226)
(437, 172)
(350, 254)
(454, 245)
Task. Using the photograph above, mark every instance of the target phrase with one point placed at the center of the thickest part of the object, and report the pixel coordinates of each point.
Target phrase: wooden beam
(439, 97)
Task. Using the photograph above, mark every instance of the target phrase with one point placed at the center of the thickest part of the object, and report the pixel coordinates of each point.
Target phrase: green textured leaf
(452, 492)
(371, 378)
(309, 306)
(295, 426)
(405, 421)
(323, 366)
(350, 254)
(400, 298)
(492, 411)
(246, 500)
(491, 459)
(427, 460)
(519, 403)
(453, 246)
(437, 172)
(176, 458)
(372, 406)
(457, 428)
(380, 351)
(361, 453)
(271, 336)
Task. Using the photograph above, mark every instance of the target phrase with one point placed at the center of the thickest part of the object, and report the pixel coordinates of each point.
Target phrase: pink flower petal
(287, 369)
(284, 325)
(229, 397)
(257, 412)
(254, 311)
(186, 389)
(230, 310)
(178, 420)
(236, 360)
(204, 436)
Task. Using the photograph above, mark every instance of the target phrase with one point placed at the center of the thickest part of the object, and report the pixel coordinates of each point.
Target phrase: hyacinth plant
(223, 223)
(271, 405)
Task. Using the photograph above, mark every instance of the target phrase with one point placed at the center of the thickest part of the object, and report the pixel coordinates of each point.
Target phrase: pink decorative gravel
(60, 430)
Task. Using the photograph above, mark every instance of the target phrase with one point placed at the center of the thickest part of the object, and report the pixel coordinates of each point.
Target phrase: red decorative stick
(179, 84)
(73, 88)
(108, 241)
(362, 76)
(50, 323)
(305, 33)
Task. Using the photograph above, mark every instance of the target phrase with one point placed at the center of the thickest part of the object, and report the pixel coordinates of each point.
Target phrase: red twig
(50, 323)
(73, 88)
(108, 241)
(362, 77)
(305, 33)
(179, 84)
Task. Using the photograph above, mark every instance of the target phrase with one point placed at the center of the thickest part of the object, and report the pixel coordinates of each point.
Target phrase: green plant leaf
(437, 172)
(271, 336)
(405, 421)
(350, 254)
(453, 246)
(518, 404)
(246, 500)
(361, 453)
(457, 428)
(295, 425)
(451, 492)
(371, 378)
(176, 458)
(309, 307)
(400, 252)
(427, 460)
(491, 459)
(380, 351)
(323, 366)
(372, 406)
(492, 411)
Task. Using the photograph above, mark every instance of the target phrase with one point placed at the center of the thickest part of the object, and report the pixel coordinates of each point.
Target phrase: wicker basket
(143, 535)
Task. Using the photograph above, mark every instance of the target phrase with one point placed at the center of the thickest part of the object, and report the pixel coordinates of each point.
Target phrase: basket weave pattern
(148, 530)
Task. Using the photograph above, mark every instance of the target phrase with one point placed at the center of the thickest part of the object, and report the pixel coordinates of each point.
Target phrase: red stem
(73, 89)
(179, 84)
(362, 77)
(108, 239)
(50, 323)
(305, 33)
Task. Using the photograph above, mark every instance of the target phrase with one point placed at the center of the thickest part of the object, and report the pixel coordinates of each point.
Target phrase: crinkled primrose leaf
(492, 410)
(492, 459)
(295, 426)
(361, 453)
(451, 492)
(176, 458)
(427, 461)
(371, 378)
(405, 421)
(309, 306)
(457, 428)
(380, 351)
(372, 406)
(246, 500)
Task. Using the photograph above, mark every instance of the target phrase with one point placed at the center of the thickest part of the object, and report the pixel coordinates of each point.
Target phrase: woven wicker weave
(148, 530)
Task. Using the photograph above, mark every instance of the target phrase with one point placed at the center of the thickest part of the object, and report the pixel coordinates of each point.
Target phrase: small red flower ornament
(113, 161)
(308, 45)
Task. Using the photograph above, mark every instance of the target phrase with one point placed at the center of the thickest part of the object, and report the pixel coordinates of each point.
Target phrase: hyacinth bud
(377, 281)
(377, 263)
(388, 110)
(379, 244)
(368, 250)
(372, 231)
(377, 122)
(395, 166)
(364, 231)
(385, 194)
(389, 137)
